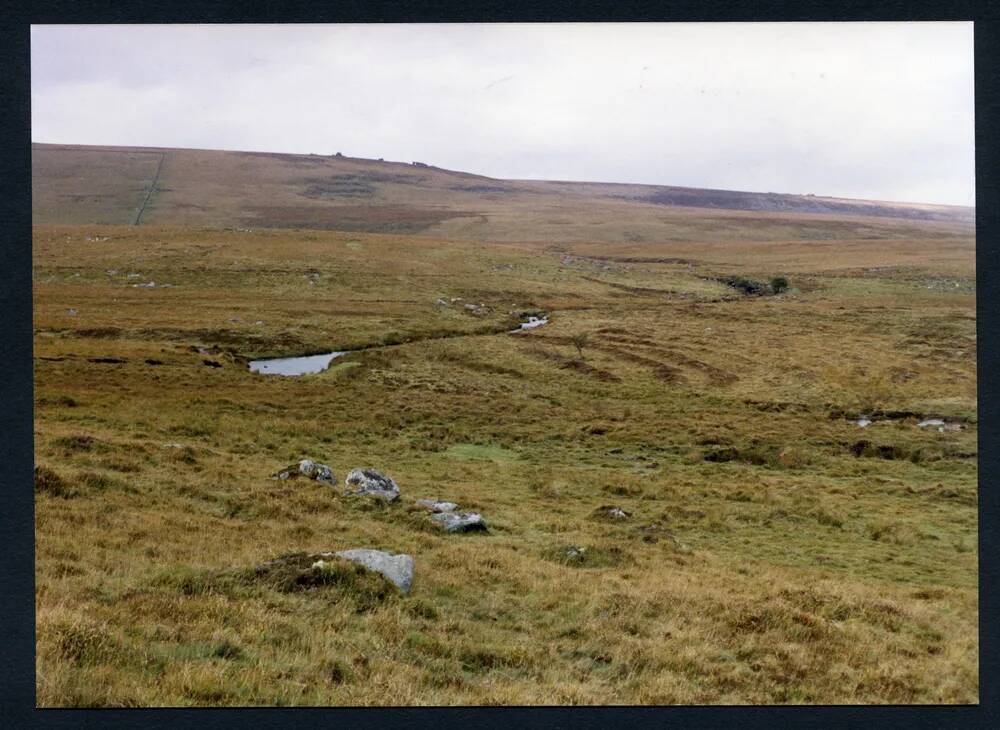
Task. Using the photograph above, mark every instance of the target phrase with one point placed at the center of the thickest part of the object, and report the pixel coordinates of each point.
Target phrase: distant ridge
(79, 184)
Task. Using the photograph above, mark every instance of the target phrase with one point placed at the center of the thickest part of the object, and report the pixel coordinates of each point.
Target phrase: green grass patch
(480, 452)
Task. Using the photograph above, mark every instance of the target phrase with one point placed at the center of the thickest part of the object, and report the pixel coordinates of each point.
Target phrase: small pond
(294, 365)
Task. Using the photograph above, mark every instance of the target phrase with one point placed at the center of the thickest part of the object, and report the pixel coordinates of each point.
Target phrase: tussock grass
(787, 569)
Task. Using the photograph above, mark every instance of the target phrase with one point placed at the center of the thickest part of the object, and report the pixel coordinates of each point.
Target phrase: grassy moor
(696, 488)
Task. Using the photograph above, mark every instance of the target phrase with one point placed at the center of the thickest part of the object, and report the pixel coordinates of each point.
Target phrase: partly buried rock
(397, 569)
(460, 521)
(304, 571)
(435, 506)
(309, 469)
(610, 512)
(370, 483)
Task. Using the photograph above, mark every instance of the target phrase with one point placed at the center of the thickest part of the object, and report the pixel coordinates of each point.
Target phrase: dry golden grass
(793, 572)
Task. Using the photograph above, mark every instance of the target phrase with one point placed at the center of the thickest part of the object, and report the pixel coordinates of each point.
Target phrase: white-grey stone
(435, 506)
(397, 569)
(459, 521)
(370, 483)
(309, 469)
(319, 472)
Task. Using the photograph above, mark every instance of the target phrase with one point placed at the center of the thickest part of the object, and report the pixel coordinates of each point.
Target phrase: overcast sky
(868, 110)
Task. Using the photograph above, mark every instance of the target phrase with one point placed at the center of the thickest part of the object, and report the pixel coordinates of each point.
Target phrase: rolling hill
(75, 184)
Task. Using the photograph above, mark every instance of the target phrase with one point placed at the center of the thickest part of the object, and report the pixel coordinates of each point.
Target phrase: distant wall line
(149, 193)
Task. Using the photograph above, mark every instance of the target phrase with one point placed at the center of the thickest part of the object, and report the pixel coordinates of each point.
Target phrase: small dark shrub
(422, 609)
(226, 649)
(725, 453)
(77, 443)
(747, 286)
(100, 482)
(87, 644)
(338, 672)
(779, 284)
(48, 482)
(59, 400)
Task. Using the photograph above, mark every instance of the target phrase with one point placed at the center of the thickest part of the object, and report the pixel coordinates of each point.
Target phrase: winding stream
(311, 364)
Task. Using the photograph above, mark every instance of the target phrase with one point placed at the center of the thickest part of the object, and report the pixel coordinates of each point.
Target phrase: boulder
(305, 571)
(370, 483)
(397, 569)
(459, 521)
(309, 469)
(435, 506)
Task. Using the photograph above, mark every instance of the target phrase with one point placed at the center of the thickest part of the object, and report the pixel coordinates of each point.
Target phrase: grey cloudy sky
(868, 110)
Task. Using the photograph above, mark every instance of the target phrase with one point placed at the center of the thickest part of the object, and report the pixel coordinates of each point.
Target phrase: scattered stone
(611, 512)
(442, 302)
(371, 483)
(460, 521)
(309, 469)
(397, 569)
(575, 554)
(436, 506)
(71, 312)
